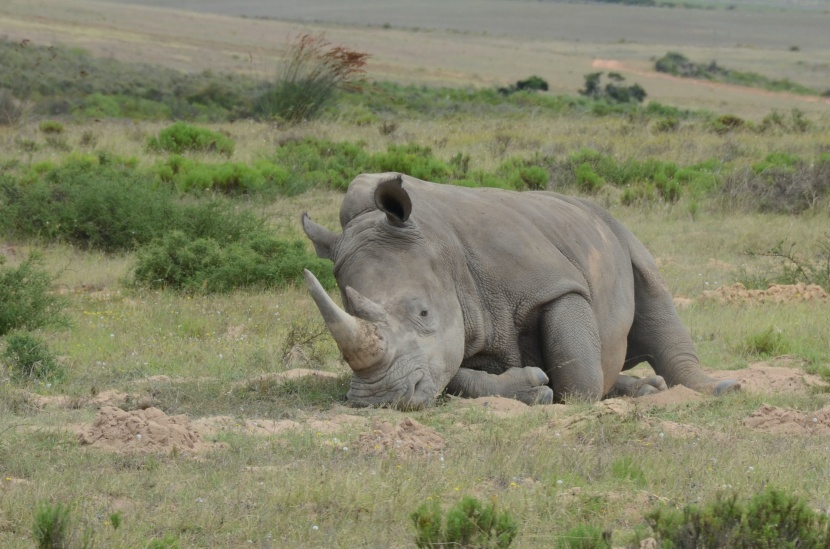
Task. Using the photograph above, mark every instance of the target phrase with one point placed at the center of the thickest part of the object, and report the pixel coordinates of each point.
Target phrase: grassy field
(438, 55)
(282, 461)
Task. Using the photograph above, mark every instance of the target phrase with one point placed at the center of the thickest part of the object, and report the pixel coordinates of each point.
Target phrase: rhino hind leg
(631, 386)
(657, 336)
(528, 385)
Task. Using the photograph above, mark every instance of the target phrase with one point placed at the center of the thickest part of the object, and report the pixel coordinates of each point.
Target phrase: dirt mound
(408, 438)
(777, 293)
(780, 421)
(141, 431)
(761, 377)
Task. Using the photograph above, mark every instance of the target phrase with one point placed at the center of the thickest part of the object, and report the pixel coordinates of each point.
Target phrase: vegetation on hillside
(678, 64)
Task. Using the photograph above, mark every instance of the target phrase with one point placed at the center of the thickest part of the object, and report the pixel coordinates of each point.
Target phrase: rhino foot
(631, 386)
(528, 385)
(726, 386)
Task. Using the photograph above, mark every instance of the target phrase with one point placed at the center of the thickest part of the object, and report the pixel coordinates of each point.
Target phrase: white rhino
(531, 295)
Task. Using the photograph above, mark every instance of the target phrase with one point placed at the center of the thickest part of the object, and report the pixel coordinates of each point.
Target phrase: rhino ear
(322, 238)
(393, 200)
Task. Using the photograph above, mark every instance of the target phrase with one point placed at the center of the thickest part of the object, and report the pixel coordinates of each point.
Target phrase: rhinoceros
(479, 291)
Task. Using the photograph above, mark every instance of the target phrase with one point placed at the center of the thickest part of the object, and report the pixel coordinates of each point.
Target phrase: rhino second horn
(357, 339)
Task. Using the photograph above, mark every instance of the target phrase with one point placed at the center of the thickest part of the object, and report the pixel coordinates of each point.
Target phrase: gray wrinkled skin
(534, 296)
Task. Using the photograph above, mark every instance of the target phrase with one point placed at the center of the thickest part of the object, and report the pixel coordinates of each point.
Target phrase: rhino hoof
(727, 386)
(545, 396)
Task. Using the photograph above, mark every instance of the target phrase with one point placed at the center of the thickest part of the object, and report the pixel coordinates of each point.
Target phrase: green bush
(415, 160)
(26, 297)
(28, 358)
(771, 518)
(319, 162)
(206, 265)
(188, 175)
(614, 91)
(467, 524)
(51, 127)
(182, 137)
(112, 208)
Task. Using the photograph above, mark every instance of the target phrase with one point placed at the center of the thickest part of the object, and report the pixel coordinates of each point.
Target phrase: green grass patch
(182, 137)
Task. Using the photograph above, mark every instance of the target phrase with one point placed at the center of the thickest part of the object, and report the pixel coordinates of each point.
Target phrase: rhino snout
(414, 391)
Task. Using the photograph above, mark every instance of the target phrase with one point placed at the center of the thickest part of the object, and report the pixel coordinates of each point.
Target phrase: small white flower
(560, 482)
(315, 527)
(750, 469)
(345, 448)
(661, 435)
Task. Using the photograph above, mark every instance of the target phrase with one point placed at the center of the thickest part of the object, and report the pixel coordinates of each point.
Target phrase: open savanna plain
(219, 419)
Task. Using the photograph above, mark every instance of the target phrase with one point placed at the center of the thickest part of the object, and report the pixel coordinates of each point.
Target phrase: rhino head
(402, 330)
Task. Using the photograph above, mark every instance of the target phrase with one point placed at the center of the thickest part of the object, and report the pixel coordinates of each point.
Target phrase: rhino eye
(424, 313)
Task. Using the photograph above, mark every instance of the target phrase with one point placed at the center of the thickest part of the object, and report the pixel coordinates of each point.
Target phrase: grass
(300, 488)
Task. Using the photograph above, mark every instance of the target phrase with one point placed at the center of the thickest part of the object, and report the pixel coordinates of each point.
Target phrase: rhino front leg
(528, 385)
(571, 349)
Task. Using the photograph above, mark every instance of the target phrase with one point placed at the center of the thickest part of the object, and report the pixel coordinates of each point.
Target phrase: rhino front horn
(358, 340)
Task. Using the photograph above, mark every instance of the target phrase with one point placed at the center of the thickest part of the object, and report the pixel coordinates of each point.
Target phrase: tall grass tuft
(311, 75)
(52, 527)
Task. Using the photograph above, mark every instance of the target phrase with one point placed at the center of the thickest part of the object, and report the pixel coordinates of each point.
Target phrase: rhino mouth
(413, 391)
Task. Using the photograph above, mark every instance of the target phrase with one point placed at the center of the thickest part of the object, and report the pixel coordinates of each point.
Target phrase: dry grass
(197, 41)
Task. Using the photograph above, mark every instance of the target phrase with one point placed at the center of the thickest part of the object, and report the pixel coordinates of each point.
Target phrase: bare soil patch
(406, 439)
(762, 377)
(498, 406)
(289, 375)
(777, 293)
(141, 431)
(266, 427)
(781, 421)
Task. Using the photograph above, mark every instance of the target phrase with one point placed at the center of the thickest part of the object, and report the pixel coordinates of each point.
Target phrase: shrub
(772, 518)
(613, 92)
(51, 127)
(412, 159)
(467, 524)
(533, 83)
(12, 109)
(794, 267)
(313, 72)
(188, 175)
(313, 162)
(780, 184)
(727, 123)
(26, 298)
(206, 265)
(182, 137)
(112, 208)
(28, 358)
